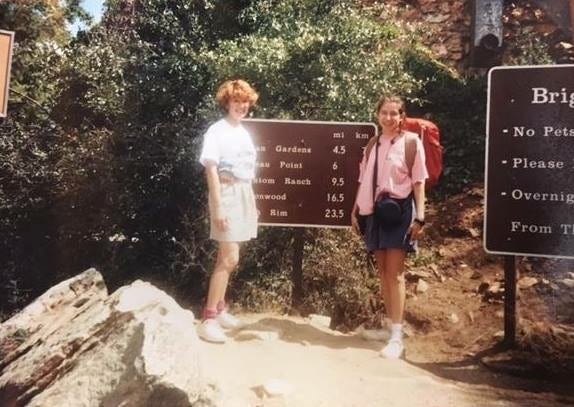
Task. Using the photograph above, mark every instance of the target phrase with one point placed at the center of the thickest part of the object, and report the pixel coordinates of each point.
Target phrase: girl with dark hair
(391, 202)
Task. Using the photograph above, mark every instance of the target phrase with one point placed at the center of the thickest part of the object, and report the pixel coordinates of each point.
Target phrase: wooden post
(510, 300)
(297, 268)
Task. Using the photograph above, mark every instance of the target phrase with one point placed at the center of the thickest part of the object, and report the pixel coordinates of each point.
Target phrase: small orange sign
(6, 44)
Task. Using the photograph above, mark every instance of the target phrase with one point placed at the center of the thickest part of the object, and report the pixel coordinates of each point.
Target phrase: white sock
(397, 332)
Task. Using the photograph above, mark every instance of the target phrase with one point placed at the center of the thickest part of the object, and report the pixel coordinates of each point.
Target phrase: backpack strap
(410, 150)
(373, 141)
(370, 145)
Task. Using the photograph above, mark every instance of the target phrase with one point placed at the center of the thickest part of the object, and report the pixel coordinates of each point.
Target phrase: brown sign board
(307, 172)
(529, 205)
(6, 45)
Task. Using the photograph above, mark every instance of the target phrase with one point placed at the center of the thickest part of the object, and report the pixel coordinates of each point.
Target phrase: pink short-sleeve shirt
(393, 176)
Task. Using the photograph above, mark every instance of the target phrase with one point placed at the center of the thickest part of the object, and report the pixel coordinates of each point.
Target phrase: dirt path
(321, 367)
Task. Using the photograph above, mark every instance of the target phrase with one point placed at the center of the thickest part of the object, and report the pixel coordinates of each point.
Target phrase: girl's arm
(214, 188)
(355, 212)
(355, 215)
(419, 195)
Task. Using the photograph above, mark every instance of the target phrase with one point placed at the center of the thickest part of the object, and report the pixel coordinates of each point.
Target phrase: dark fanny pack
(389, 211)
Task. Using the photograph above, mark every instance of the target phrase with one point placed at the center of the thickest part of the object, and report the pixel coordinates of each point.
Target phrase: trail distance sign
(307, 171)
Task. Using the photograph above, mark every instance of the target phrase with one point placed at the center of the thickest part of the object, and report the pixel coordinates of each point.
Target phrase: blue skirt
(380, 237)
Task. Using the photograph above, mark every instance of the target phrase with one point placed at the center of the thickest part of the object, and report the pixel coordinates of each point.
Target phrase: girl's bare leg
(227, 260)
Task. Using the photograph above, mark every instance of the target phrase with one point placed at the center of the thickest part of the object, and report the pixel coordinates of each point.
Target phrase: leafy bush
(314, 59)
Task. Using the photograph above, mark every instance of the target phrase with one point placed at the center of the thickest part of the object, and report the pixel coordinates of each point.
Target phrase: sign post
(6, 45)
(529, 169)
(510, 300)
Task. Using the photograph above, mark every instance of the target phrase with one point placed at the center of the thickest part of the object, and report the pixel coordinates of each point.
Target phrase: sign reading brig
(307, 171)
(6, 44)
(529, 208)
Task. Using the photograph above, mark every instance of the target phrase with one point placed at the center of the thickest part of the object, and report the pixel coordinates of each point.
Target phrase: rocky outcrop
(77, 346)
(447, 24)
(525, 19)
(448, 27)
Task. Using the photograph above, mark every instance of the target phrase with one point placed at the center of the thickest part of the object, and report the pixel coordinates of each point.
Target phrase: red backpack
(429, 133)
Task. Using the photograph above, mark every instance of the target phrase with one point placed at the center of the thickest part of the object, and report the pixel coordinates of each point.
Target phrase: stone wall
(448, 24)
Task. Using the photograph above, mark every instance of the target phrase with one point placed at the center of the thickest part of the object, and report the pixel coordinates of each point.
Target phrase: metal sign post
(297, 268)
(529, 180)
(510, 300)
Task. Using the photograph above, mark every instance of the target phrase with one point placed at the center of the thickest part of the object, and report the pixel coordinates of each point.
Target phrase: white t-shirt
(230, 148)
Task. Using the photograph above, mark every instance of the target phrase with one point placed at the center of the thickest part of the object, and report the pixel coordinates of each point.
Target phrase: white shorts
(238, 204)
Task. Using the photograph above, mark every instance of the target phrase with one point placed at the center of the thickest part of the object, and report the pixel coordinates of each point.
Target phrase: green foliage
(458, 106)
(40, 40)
(37, 20)
(27, 180)
(92, 84)
(425, 257)
(340, 280)
(316, 59)
(264, 280)
(529, 48)
(165, 40)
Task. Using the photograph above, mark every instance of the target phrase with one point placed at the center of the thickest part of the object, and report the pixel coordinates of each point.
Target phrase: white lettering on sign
(263, 164)
(271, 197)
(523, 162)
(261, 148)
(278, 213)
(290, 165)
(519, 227)
(521, 131)
(293, 149)
(297, 181)
(560, 132)
(544, 96)
(567, 228)
(270, 181)
(520, 195)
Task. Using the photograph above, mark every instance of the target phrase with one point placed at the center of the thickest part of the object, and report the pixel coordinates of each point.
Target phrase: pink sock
(209, 313)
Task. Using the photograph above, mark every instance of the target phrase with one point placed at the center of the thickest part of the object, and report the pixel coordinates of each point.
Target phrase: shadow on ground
(508, 375)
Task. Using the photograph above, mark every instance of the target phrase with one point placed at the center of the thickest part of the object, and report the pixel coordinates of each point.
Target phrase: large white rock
(78, 347)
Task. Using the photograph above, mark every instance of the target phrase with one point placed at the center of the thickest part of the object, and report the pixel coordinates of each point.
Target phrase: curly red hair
(236, 89)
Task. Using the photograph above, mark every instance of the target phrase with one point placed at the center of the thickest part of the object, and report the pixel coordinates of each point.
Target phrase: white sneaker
(228, 321)
(393, 350)
(374, 334)
(210, 331)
